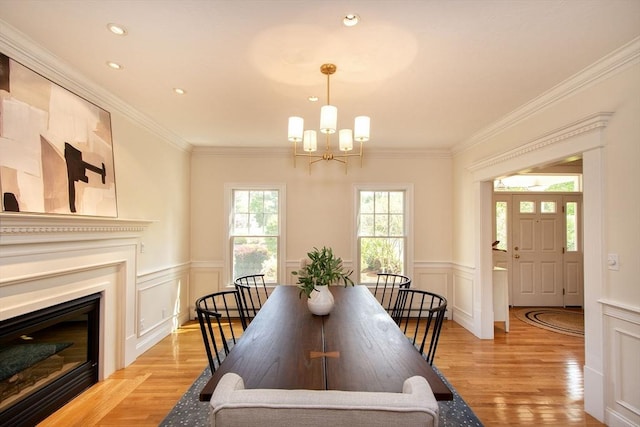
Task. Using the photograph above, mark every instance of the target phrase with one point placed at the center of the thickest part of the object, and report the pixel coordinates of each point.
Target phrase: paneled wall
(622, 341)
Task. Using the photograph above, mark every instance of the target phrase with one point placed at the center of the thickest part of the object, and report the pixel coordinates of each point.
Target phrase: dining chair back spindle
(387, 286)
(253, 293)
(219, 326)
(420, 315)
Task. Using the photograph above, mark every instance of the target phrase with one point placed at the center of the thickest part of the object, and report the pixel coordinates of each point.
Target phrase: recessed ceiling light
(350, 20)
(179, 91)
(114, 65)
(116, 29)
(313, 98)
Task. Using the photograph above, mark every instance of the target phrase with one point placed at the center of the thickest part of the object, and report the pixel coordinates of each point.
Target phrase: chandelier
(328, 126)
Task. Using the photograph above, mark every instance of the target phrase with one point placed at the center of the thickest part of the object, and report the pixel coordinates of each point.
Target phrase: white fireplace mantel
(20, 228)
(49, 259)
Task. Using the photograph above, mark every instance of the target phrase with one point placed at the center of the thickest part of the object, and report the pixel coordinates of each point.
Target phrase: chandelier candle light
(328, 126)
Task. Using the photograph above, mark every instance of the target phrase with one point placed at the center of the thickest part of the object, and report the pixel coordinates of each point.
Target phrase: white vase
(321, 301)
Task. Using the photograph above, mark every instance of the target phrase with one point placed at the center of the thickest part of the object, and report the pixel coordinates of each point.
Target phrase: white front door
(537, 250)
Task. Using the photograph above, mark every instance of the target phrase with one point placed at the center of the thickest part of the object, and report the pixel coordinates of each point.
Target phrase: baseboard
(154, 336)
(614, 419)
(594, 393)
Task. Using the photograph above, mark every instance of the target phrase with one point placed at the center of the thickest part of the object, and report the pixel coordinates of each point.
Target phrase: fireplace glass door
(46, 358)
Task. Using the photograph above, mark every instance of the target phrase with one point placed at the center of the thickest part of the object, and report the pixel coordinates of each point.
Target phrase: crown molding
(409, 153)
(247, 152)
(613, 63)
(19, 47)
(280, 152)
(587, 124)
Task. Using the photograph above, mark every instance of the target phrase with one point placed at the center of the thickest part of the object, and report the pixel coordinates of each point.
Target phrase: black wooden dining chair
(220, 327)
(420, 315)
(253, 293)
(386, 290)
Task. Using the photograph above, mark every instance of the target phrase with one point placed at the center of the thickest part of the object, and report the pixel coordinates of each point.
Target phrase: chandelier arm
(346, 155)
(311, 156)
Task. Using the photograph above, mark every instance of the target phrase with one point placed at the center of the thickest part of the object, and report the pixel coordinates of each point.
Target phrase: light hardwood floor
(526, 377)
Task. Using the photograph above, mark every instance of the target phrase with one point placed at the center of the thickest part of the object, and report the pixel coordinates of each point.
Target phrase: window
(527, 207)
(547, 207)
(501, 225)
(381, 233)
(571, 221)
(532, 182)
(255, 232)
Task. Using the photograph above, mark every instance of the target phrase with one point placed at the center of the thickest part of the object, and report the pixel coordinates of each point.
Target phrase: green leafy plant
(323, 269)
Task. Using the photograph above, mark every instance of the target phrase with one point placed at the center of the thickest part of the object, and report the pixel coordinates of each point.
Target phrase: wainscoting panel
(463, 309)
(162, 304)
(206, 278)
(436, 279)
(622, 357)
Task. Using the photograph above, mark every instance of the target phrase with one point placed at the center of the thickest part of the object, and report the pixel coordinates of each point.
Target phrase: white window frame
(282, 238)
(408, 218)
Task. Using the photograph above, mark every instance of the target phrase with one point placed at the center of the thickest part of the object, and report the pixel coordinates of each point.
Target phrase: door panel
(527, 278)
(549, 282)
(572, 274)
(525, 236)
(549, 236)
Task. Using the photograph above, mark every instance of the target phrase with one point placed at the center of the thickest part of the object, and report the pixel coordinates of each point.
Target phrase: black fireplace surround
(47, 358)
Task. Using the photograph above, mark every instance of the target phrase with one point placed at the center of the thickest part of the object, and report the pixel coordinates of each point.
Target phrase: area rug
(560, 320)
(189, 411)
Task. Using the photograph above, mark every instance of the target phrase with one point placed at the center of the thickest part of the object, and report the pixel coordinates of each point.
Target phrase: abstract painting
(56, 149)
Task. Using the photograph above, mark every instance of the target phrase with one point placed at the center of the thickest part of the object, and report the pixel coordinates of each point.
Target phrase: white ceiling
(430, 73)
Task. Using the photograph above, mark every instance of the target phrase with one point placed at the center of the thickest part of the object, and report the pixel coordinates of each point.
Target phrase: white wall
(153, 182)
(152, 179)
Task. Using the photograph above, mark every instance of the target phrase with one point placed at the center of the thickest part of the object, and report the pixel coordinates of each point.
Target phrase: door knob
(516, 256)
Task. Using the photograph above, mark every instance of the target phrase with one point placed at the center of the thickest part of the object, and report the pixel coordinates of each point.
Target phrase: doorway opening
(537, 227)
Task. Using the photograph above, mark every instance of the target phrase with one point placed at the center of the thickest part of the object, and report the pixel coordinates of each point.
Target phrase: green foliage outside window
(255, 231)
(572, 224)
(381, 255)
(381, 231)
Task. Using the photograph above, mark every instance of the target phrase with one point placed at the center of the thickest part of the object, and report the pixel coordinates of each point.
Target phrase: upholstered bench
(233, 405)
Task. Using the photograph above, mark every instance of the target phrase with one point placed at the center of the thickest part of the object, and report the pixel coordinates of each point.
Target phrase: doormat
(561, 320)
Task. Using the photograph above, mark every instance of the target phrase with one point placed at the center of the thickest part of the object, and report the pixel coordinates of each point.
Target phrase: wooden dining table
(356, 347)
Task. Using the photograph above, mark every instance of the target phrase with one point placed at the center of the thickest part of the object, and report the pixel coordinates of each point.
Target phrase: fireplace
(47, 357)
(49, 262)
